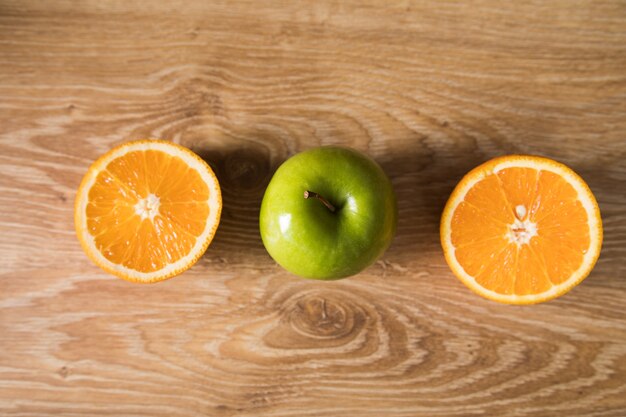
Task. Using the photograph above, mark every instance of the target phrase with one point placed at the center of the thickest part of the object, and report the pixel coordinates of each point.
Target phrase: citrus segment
(521, 229)
(147, 210)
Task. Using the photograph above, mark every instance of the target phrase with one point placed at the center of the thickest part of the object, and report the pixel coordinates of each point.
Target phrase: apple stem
(311, 194)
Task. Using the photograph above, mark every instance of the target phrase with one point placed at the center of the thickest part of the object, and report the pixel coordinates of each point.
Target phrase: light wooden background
(429, 89)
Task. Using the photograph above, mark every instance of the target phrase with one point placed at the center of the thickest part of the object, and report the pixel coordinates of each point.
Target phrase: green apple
(328, 213)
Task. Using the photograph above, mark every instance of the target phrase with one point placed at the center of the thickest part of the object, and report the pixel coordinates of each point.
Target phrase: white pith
(522, 229)
(529, 229)
(148, 207)
(193, 162)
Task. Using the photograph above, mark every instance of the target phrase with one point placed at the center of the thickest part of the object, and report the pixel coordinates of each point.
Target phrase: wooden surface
(429, 89)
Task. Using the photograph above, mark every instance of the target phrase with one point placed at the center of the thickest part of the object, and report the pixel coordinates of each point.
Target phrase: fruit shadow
(244, 170)
(423, 180)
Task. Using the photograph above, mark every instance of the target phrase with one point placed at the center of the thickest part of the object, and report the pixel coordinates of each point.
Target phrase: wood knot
(64, 372)
(193, 33)
(320, 317)
(325, 315)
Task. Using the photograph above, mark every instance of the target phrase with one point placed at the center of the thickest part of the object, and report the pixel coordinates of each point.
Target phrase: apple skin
(309, 240)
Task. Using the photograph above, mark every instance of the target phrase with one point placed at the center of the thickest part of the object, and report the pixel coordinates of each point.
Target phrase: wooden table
(429, 89)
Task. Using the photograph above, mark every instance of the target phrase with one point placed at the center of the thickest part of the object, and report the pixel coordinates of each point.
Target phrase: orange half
(147, 210)
(521, 229)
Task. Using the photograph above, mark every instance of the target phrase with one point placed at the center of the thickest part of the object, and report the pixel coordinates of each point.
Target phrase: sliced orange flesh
(147, 210)
(521, 229)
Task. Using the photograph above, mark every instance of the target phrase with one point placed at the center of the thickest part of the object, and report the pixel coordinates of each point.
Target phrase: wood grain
(429, 89)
